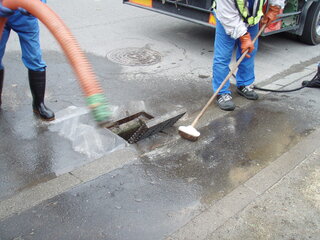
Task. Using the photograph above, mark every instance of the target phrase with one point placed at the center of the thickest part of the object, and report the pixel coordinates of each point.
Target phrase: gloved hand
(271, 15)
(246, 43)
(5, 12)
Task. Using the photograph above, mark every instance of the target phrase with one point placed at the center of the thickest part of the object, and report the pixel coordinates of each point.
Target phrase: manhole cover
(134, 56)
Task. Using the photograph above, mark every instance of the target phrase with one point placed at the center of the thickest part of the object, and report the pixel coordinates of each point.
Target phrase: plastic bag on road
(76, 124)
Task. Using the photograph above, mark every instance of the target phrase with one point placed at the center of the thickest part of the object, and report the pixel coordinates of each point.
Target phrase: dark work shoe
(225, 102)
(247, 92)
(314, 82)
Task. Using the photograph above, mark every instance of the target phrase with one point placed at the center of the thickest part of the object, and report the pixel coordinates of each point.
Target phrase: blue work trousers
(27, 28)
(223, 49)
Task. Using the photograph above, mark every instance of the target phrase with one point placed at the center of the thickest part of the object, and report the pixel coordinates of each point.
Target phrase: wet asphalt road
(165, 188)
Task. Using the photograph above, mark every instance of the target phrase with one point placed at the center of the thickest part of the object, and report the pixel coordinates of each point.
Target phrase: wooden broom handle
(226, 79)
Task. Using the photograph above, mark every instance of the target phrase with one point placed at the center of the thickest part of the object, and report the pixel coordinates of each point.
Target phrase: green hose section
(99, 107)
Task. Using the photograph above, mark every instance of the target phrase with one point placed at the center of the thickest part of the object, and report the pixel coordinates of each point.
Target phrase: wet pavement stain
(233, 149)
(169, 186)
(30, 152)
(129, 203)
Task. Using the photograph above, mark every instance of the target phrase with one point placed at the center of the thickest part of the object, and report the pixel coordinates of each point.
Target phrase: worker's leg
(1, 83)
(223, 48)
(3, 42)
(28, 30)
(245, 75)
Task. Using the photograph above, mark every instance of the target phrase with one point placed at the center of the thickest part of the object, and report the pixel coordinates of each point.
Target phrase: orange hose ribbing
(81, 66)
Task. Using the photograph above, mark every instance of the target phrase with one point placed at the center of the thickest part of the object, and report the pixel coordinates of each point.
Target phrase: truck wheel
(311, 31)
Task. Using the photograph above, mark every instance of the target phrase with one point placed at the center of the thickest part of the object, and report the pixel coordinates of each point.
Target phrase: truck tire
(311, 31)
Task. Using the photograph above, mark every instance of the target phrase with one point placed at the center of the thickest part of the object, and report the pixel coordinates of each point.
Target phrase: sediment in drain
(142, 125)
(128, 129)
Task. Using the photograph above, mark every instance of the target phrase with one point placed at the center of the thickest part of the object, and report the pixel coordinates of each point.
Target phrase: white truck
(299, 17)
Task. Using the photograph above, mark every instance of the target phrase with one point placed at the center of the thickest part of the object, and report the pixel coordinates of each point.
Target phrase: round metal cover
(134, 56)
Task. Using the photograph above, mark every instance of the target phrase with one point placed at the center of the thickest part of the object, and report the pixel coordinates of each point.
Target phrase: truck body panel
(292, 19)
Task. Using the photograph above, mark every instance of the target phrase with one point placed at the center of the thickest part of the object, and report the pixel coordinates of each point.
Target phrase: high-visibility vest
(251, 19)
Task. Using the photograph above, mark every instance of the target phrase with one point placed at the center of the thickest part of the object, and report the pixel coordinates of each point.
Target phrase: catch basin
(142, 125)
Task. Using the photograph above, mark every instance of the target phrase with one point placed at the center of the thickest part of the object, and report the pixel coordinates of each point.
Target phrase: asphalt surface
(165, 188)
(164, 181)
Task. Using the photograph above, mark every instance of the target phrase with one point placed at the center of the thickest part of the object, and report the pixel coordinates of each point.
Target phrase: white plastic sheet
(77, 125)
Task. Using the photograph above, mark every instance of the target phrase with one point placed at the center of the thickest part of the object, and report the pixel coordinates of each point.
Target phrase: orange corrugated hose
(81, 66)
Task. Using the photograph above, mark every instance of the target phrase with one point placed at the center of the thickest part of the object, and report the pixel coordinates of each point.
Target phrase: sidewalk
(288, 210)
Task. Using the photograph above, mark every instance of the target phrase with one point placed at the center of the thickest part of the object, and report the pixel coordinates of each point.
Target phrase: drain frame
(144, 125)
(115, 127)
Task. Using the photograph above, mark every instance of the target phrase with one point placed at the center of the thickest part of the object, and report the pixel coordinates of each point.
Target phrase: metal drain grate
(142, 125)
(126, 127)
(134, 56)
(156, 125)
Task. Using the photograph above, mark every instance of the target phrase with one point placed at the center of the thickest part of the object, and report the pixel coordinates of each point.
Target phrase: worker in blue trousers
(237, 24)
(27, 28)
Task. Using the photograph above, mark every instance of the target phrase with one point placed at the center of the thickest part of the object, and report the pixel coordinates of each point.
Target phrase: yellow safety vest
(251, 19)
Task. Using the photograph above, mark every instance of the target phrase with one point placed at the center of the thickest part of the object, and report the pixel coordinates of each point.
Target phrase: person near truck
(237, 24)
(27, 28)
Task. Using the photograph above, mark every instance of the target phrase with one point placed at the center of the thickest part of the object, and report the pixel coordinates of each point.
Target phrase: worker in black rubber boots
(27, 28)
(237, 24)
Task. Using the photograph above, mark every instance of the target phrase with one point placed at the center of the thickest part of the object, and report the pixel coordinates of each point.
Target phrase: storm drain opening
(142, 125)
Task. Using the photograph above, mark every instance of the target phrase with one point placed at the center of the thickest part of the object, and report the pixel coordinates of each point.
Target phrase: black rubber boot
(37, 81)
(1, 82)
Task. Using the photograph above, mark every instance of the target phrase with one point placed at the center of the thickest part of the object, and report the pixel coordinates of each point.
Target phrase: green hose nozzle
(99, 107)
